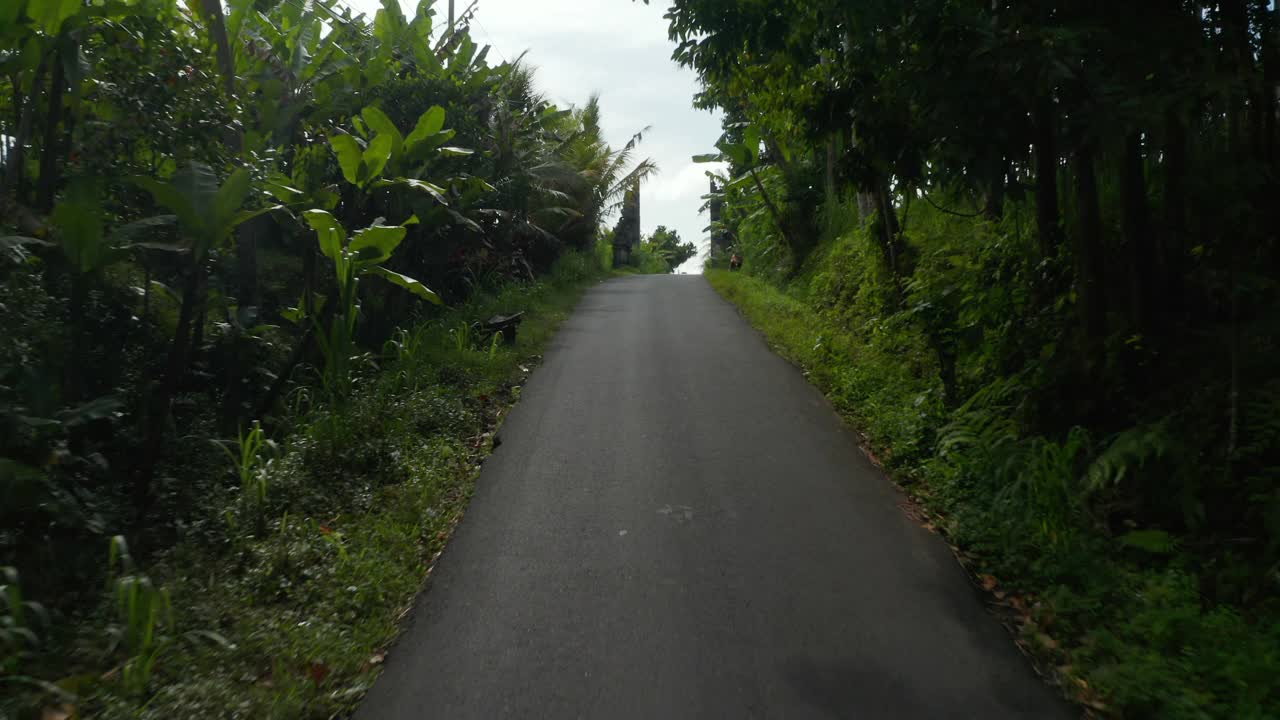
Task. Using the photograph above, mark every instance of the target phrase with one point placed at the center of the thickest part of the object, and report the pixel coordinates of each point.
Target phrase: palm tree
(609, 173)
(557, 177)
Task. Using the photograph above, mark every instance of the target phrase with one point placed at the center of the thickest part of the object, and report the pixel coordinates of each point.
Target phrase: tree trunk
(1233, 377)
(866, 206)
(212, 10)
(73, 377)
(773, 211)
(247, 233)
(1145, 265)
(144, 384)
(1175, 208)
(1235, 38)
(993, 203)
(15, 179)
(1046, 157)
(891, 239)
(248, 293)
(308, 301)
(779, 159)
(884, 201)
(947, 355)
(197, 336)
(50, 150)
(247, 265)
(867, 201)
(1265, 92)
(162, 399)
(16, 81)
(832, 194)
(1089, 252)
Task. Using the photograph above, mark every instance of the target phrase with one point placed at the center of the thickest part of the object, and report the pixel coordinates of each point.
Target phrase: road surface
(677, 525)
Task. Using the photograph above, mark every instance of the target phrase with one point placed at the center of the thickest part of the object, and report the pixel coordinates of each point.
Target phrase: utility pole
(450, 16)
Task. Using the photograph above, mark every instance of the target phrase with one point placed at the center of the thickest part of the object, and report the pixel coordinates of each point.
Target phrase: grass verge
(1119, 622)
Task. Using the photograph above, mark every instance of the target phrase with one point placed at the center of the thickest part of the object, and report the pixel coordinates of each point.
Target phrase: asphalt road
(677, 525)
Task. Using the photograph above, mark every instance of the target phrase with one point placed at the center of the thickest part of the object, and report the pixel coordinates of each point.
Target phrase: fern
(1041, 478)
(1128, 451)
(1156, 542)
(985, 421)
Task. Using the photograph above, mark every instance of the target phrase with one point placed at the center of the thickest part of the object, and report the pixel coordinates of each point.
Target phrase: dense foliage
(667, 245)
(230, 236)
(659, 253)
(1031, 247)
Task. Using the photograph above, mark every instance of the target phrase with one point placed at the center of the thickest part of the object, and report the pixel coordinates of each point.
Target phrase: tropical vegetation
(1030, 249)
(667, 245)
(247, 250)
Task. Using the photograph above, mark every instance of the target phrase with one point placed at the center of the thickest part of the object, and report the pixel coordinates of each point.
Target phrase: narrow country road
(677, 525)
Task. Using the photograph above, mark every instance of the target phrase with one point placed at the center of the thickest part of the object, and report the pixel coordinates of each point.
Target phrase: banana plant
(378, 148)
(401, 37)
(745, 156)
(207, 214)
(373, 148)
(293, 59)
(355, 257)
(40, 29)
(78, 229)
(79, 223)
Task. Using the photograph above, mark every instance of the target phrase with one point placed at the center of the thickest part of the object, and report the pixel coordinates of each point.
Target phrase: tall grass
(145, 628)
(252, 468)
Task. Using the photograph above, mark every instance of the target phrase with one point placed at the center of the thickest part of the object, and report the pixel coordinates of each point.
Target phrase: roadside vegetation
(658, 253)
(1030, 251)
(247, 255)
(666, 246)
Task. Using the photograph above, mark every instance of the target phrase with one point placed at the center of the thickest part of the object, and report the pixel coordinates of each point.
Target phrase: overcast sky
(618, 48)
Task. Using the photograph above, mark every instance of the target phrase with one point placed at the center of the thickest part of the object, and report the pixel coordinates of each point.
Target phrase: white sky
(620, 49)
